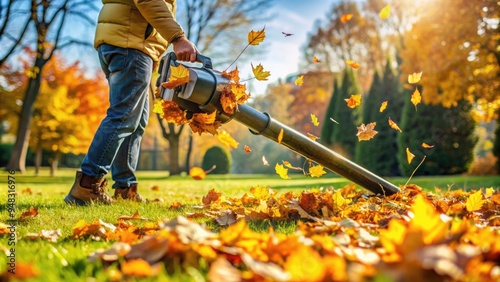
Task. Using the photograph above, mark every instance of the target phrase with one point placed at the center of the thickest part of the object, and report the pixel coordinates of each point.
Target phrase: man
(131, 36)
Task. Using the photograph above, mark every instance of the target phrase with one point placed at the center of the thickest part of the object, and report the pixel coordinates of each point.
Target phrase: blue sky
(284, 53)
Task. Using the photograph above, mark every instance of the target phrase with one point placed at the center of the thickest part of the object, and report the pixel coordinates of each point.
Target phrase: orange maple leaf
(393, 125)
(345, 18)
(32, 211)
(366, 132)
(259, 72)
(178, 76)
(353, 101)
(233, 75)
(353, 64)
(211, 197)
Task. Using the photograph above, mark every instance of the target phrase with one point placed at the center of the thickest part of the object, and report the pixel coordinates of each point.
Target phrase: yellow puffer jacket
(145, 25)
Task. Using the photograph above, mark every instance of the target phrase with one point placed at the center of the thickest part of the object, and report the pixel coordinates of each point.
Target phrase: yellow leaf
(489, 192)
(316, 60)
(300, 80)
(178, 76)
(226, 139)
(416, 98)
(233, 75)
(474, 202)
(353, 64)
(316, 171)
(282, 171)
(367, 132)
(394, 126)
(280, 136)
(384, 13)
(338, 199)
(256, 37)
(409, 155)
(427, 146)
(383, 106)
(353, 101)
(314, 120)
(259, 72)
(345, 18)
(197, 173)
(414, 77)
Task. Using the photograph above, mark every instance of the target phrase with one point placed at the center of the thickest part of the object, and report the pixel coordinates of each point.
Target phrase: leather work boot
(87, 190)
(128, 193)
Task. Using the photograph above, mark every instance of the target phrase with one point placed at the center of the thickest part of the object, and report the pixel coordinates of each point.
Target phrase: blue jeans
(117, 142)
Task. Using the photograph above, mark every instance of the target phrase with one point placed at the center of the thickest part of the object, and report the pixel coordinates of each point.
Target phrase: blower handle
(204, 60)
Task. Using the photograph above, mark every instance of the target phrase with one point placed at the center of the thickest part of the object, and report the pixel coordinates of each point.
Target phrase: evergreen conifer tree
(344, 136)
(496, 145)
(328, 126)
(449, 130)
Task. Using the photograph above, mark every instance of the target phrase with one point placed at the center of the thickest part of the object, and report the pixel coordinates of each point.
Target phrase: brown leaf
(367, 132)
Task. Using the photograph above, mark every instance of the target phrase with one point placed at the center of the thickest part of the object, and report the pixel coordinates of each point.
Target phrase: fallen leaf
(137, 268)
(259, 72)
(409, 155)
(393, 125)
(256, 37)
(135, 216)
(366, 132)
(384, 13)
(211, 197)
(32, 211)
(353, 101)
(299, 81)
(475, 201)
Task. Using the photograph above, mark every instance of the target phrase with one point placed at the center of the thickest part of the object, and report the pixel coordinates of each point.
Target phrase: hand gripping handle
(204, 60)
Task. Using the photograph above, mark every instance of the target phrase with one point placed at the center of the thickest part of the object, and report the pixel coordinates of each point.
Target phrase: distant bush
(220, 158)
(484, 165)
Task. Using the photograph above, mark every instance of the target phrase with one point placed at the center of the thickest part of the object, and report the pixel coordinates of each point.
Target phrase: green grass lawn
(66, 259)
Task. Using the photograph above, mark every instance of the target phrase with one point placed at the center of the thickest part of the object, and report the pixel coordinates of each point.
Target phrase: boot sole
(70, 200)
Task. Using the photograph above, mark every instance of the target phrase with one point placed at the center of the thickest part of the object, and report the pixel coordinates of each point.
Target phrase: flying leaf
(334, 120)
(226, 139)
(353, 101)
(289, 165)
(247, 149)
(475, 201)
(264, 161)
(409, 155)
(414, 77)
(345, 18)
(367, 132)
(394, 126)
(353, 64)
(384, 13)
(197, 173)
(300, 80)
(312, 137)
(416, 98)
(233, 75)
(280, 136)
(281, 171)
(316, 60)
(316, 171)
(256, 37)
(383, 106)
(314, 120)
(427, 146)
(259, 72)
(178, 76)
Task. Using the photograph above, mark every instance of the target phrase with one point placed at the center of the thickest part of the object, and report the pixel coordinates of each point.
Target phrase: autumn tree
(48, 19)
(215, 27)
(336, 40)
(496, 146)
(344, 137)
(449, 130)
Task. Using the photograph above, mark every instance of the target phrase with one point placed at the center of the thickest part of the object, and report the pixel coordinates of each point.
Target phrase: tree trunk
(17, 159)
(173, 155)
(54, 163)
(38, 160)
(188, 153)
